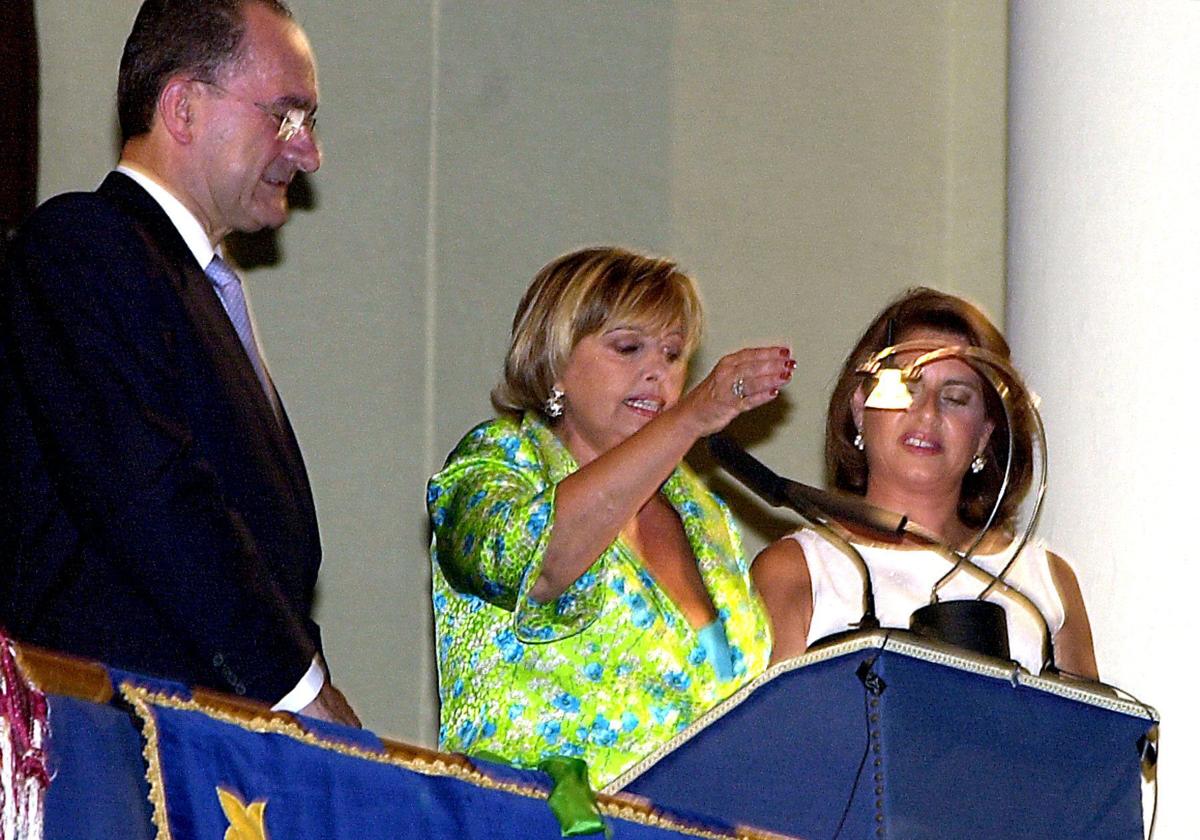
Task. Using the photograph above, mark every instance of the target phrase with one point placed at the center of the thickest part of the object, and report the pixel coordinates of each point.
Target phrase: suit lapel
(214, 328)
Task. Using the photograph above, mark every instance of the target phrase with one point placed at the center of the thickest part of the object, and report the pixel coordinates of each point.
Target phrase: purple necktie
(229, 288)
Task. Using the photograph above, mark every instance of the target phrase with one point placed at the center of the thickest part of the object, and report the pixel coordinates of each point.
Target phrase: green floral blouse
(610, 670)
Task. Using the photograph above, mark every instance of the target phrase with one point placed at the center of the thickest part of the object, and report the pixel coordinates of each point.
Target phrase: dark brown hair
(922, 308)
(170, 37)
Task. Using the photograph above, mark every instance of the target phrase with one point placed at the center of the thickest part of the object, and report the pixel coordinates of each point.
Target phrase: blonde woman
(591, 597)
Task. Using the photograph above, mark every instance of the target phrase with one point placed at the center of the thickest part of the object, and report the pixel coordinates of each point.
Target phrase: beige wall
(805, 160)
(826, 156)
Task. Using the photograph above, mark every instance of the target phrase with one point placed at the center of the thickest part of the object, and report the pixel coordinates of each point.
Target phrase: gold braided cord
(158, 797)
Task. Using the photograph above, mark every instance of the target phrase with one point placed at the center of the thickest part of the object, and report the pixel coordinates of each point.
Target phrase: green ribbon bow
(572, 800)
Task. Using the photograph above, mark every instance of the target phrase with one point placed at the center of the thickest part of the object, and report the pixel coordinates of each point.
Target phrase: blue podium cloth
(119, 676)
(312, 785)
(908, 743)
(98, 788)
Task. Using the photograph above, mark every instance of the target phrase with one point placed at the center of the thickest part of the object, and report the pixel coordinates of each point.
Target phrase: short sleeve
(492, 511)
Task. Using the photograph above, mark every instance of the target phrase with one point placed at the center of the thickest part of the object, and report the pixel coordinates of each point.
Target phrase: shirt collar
(188, 225)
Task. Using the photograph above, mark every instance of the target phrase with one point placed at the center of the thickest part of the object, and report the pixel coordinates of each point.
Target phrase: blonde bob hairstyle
(583, 293)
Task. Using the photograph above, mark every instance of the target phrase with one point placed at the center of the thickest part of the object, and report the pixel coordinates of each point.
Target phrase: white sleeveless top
(903, 580)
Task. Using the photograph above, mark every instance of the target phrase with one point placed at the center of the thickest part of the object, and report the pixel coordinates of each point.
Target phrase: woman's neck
(937, 513)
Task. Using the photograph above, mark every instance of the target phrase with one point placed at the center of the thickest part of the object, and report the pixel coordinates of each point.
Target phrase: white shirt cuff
(306, 690)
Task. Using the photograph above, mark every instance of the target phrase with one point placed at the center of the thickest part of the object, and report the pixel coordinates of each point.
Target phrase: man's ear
(177, 108)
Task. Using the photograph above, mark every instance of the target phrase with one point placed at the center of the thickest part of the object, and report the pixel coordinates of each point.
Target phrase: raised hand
(593, 504)
(739, 382)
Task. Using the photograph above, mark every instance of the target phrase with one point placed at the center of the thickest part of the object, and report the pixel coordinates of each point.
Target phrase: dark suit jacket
(155, 515)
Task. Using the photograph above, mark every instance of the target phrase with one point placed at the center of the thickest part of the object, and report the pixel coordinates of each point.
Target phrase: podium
(887, 736)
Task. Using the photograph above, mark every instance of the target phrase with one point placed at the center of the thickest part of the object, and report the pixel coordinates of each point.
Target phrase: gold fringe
(158, 797)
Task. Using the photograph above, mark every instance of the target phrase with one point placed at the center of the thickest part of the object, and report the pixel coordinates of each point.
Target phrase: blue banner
(217, 773)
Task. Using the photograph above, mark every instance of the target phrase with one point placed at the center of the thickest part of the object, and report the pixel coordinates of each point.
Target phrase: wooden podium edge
(61, 673)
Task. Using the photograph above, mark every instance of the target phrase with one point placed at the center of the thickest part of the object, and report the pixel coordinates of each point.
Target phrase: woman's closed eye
(958, 396)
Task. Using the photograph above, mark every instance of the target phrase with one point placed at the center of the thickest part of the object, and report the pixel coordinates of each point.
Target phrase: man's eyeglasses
(291, 120)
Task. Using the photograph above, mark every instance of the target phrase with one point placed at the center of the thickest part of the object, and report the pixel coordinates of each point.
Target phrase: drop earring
(553, 405)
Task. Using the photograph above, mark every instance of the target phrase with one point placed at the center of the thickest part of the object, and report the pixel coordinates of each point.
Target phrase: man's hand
(330, 705)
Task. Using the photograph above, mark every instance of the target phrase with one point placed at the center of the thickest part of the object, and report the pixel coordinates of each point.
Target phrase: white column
(1103, 308)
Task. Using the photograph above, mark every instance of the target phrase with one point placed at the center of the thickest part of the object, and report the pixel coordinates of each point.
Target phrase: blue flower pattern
(610, 670)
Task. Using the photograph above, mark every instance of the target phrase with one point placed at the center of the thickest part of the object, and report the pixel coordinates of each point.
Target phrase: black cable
(861, 762)
(873, 686)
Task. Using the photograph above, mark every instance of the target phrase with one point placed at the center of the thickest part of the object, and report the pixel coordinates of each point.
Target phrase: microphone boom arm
(812, 504)
(818, 506)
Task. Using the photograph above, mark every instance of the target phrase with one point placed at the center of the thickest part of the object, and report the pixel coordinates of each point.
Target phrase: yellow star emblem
(245, 821)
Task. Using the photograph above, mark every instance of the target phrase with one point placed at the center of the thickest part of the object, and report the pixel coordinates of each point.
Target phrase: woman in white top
(940, 462)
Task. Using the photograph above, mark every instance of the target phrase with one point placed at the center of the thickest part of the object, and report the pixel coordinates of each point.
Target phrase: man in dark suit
(156, 512)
